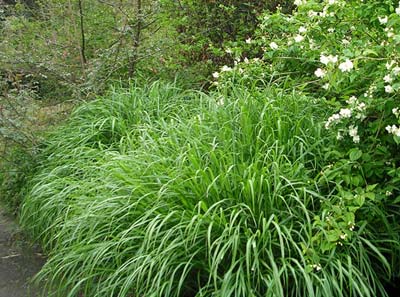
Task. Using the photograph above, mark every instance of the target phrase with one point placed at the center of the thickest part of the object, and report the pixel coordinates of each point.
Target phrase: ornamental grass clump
(156, 191)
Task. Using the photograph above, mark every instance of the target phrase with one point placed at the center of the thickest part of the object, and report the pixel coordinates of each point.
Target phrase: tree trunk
(83, 40)
(136, 38)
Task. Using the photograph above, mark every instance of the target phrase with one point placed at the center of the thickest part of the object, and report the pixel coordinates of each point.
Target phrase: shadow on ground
(19, 261)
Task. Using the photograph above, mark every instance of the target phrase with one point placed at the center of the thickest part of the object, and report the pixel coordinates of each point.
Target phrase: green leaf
(327, 246)
(346, 179)
(370, 195)
(370, 52)
(355, 154)
(356, 180)
(349, 217)
(371, 187)
(359, 199)
(397, 200)
(333, 235)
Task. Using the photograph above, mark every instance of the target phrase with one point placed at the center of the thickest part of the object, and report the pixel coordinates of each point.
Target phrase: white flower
(393, 130)
(226, 68)
(396, 112)
(396, 70)
(328, 59)
(220, 102)
(356, 139)
(333, 59)
(345, 42)
(302, 29)
(343, 236)
(215, 74)
(346, 66)
(320, 72)
(352, 100)
(317, 267)
(248, 40)
(383, 20)
(324, 59)
(388, 193)
(331, 30)
(312, 14)
(332, 120)
(389, 89)
(345, 113)
(390, 129)
(361, 106)
(398, 10)
(353, 131)
(299, 2)
(326, 86)
(390, 64)
(387, 78)
(228, 51)
(298, 38)
(273, 45)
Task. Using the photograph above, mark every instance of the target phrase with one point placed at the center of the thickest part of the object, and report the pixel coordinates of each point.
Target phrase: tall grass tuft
(155, 191)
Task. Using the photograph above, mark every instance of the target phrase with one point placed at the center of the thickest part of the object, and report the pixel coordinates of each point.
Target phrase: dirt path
(19, 262)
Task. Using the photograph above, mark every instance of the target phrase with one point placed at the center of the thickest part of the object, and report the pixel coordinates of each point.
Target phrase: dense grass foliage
(155, 191)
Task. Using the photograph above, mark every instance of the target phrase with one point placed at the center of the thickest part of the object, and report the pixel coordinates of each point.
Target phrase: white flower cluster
(396, 112)
(353, 132)
(226, 68)
(356, 109)
(383, 20)
(320, 72)
(370, 92)
(273, 45)
(299, 2)
(389, 32)
(317, 267)
(345, 66)
(393, 129)
(394, 71)
(328, 59)
(298, 38)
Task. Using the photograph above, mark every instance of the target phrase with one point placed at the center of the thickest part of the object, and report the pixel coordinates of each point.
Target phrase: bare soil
(19, 260)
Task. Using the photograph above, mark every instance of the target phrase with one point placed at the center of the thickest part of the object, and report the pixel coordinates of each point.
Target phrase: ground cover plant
(164, 192)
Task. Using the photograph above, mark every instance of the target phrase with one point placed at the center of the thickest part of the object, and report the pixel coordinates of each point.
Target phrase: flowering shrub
(347, 54)
(207, 32)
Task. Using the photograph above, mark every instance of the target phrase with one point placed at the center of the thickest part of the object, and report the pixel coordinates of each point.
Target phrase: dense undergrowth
(156, 191)
(281, 179)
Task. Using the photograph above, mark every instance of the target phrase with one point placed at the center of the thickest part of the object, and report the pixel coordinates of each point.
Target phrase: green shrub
(347, 53)
(206, 31)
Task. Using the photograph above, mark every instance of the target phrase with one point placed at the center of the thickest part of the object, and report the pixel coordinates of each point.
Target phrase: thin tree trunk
(136, 38)
(83, 40)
